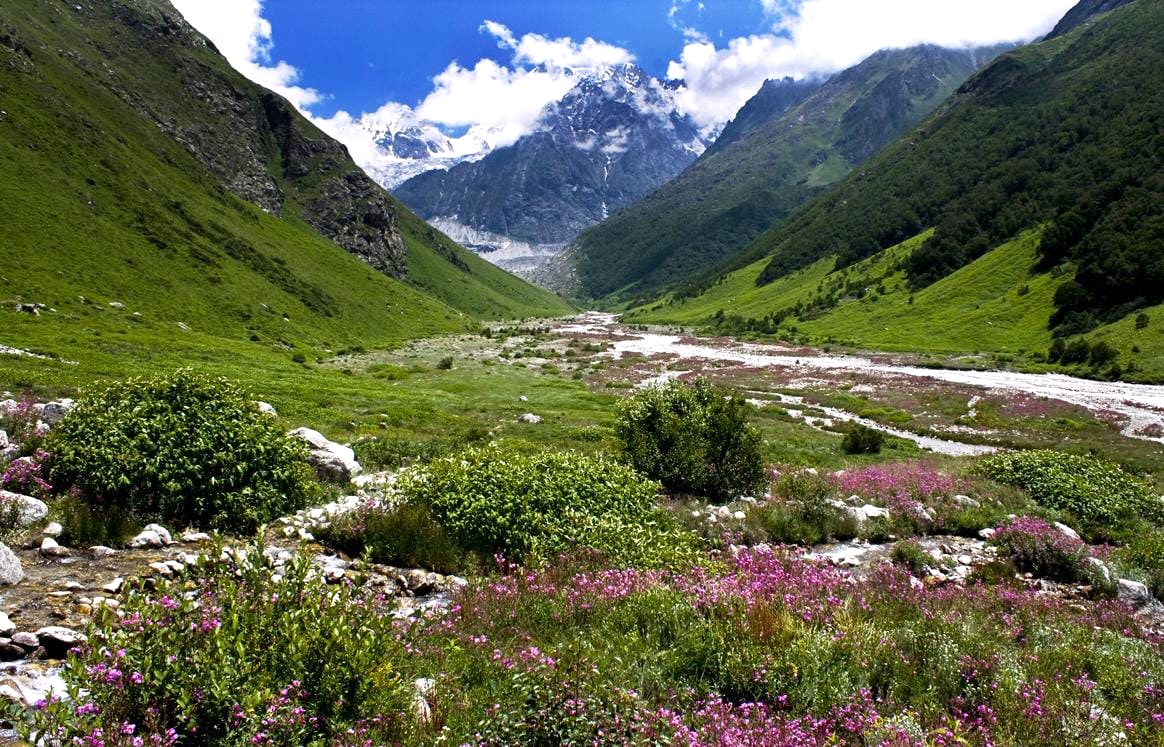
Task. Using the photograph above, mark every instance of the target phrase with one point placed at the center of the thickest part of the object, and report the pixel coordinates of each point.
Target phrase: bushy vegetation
(531, 507)
(182, 448)
(1043, 549)
(861, 439)
(404, 535)
(695, 439)
(761, 648)
(1099, 495)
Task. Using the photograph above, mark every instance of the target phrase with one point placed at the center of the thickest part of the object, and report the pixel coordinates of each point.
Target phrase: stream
(1141, 404)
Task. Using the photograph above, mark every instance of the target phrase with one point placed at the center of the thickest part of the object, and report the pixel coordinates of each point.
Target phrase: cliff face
(261, 148)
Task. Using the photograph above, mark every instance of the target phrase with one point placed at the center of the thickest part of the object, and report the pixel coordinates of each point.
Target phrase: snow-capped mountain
(405, 145)
(612, 139)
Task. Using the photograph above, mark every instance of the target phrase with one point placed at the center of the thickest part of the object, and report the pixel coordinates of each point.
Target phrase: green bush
(183, 448)
(445, 364)
(803, 512)
(910, 554)
(531, 505)
(1143, 557)
(1099, 495)
(695, 439)
(404, 535)
(861, 439)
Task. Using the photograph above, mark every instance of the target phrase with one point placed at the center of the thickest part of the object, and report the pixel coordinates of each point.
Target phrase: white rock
(53, 530)
(7, 627)
(11, 570)
(97, 552)
(55, 410)
(195, 537)
(1066, 530)
(331, 461)
(967, 501)
(147, 538)
(267, 408)
(161, 569)
(1100, 568)
(114, 586)
(29, 510)
(523, 398)
(739, 516)
(1137, 596)
(50, 549)
(529, 417)
(987, 533)
(163, 533)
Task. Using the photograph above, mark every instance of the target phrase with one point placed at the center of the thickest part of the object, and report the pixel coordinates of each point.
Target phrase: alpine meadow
(719, 374)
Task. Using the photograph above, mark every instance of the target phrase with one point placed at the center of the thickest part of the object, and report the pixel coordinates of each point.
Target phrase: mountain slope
(734, 193)
(1067, 133)
(153, 194)
(614, 137)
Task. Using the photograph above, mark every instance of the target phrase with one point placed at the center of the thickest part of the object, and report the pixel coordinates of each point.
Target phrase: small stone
(195, 537)
(965, 560)
(530, 418)
(7, 627)
(53, 530)
(27, 641)
(266, 408)
(61, 594)
(987, 533)
(161, 569)
(114, 586)
(739, 516)
(97, 552)
(146, 538)
(11, 652)
(50, 549)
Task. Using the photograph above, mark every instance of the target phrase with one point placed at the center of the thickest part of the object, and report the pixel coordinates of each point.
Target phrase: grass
(994, 305)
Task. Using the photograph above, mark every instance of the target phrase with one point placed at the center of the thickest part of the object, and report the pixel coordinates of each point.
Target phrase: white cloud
(823, 36)
(240, 32)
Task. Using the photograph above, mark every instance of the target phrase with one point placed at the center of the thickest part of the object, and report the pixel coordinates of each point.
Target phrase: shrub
(912, 555)
(804, 511)
(445, 364)
(861, 439)
(694, 439)
(1099, 495)
(1144, 557)
(1042, 549)
(530, 505)
(1141, 320)
(403, 535)
(180, 448)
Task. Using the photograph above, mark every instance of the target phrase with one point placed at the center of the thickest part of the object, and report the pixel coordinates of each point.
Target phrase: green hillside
(1067, 133)
(115, 222)
(735, 192)
(996, 305)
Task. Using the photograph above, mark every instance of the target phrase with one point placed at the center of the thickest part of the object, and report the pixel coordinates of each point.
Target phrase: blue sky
(487, 68)
(366, 52)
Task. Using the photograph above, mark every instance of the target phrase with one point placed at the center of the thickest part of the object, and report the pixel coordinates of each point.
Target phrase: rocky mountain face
(786, 146)
(611, 140)
(407, 145)
(238, 131)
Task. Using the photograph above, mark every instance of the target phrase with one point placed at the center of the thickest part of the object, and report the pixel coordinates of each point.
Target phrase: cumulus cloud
(240, 32)
(822, 36)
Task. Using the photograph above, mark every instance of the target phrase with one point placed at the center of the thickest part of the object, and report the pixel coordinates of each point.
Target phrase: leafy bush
(1042, 549)
(694, 439)
(861, 439)
(262, 660)
(181, 448)
(403, 535)
(533, 506)
(84, 525)
(1144, 558)
(912, 555)
(1100, 495)
(804, 511)
(445, 364)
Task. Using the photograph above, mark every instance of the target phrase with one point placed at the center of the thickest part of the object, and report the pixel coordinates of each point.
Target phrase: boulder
(30, 510)
(1137, 596)
(7, 627)
(331, 461)
(58, 640)
(153, 535)
(266, 408)
(1066, 531)
(50, 549)
(97, 552)
(11, 571)
(862, 514)
(55, 410)
(53, 530)
(529, 417)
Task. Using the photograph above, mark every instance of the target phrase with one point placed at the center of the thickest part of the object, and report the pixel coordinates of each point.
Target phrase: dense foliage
(531, 507)
(1100, 495)
(184, 448)
(1066, 132)
(763, 648)
(695, 439)
(861, 439)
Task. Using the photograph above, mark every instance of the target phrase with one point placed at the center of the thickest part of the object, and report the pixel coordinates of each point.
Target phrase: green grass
(994, 305)
(102, 207)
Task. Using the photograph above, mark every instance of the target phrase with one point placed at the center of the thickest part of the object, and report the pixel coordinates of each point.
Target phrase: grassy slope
(981, 308)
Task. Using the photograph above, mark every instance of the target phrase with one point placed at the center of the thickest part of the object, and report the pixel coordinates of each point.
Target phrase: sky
(491, 66)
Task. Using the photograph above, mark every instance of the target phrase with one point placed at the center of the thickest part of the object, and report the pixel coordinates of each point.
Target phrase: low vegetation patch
(1100, 496)
(695, 439)
(1043, 549)
(182, 448)
(531, 507)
